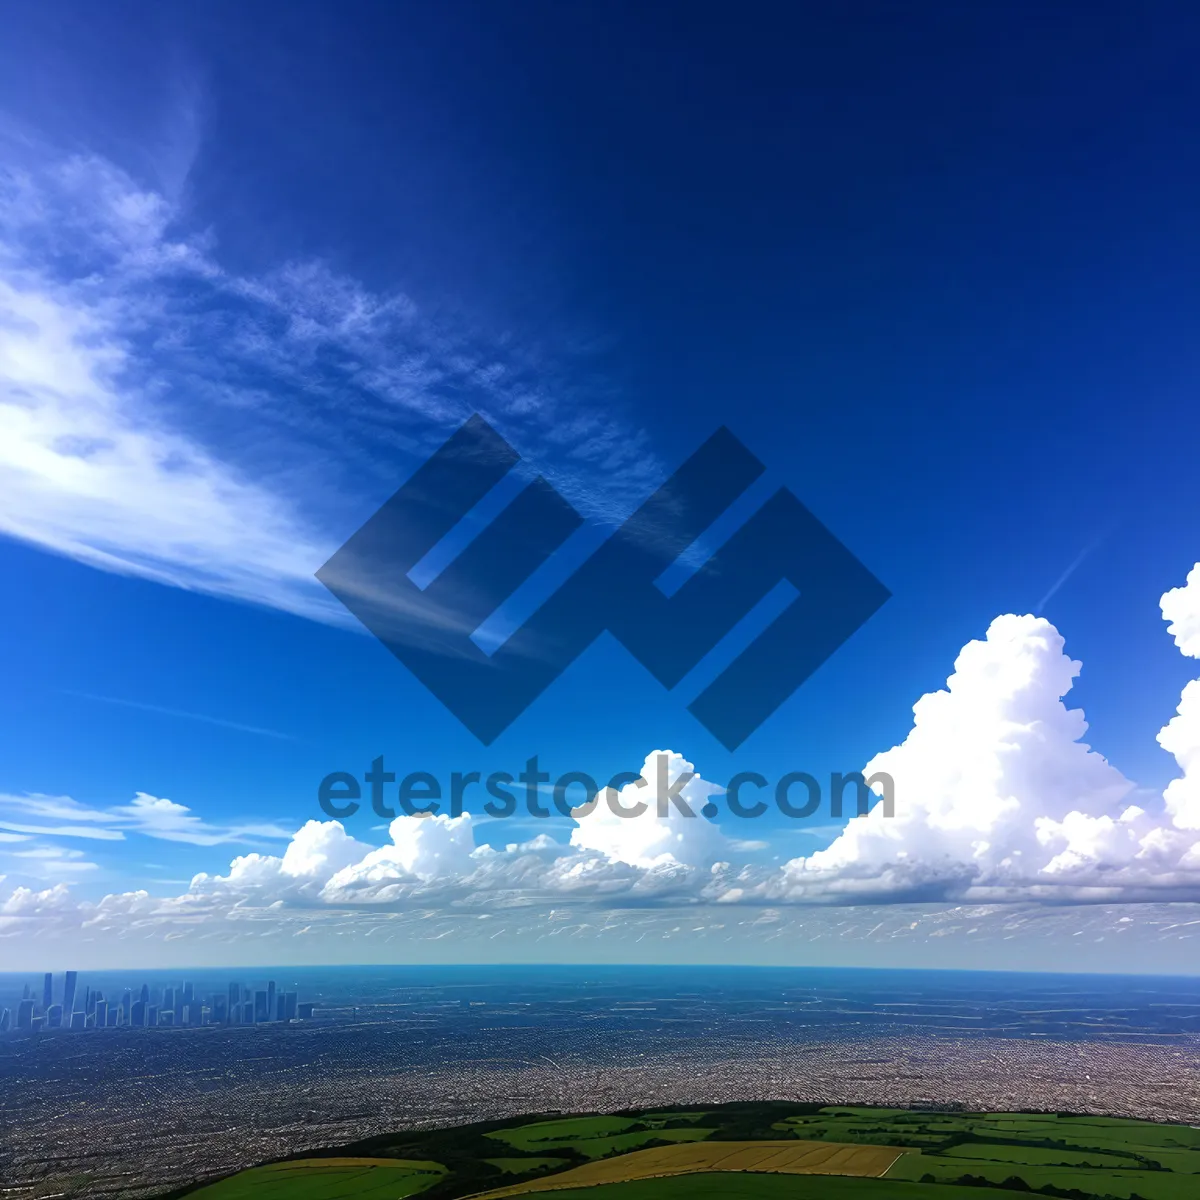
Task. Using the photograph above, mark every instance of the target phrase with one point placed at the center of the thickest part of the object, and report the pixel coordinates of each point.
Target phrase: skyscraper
(5, 1018)
(271, 1000)
(68, 1002)
(152, 1015)
(54, 1016)
(260, 1006)
(25, 1013)
(101, 1013)
(79, 1020)
(47, 990)
(235, 1001)
(137, 1013)
(145, 994)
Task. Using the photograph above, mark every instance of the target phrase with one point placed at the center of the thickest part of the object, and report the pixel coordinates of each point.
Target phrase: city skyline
(238, 1006)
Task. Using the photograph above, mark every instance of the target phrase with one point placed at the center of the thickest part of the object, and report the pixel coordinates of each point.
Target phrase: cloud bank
(999, 802)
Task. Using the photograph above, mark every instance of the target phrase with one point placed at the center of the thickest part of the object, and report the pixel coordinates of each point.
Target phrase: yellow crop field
(792, 1157)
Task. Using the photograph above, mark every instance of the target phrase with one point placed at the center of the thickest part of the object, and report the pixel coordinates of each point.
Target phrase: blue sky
(939, 274)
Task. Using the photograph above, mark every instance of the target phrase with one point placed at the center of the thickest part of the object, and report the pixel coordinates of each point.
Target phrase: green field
(1037, 1156)
(328, 1179)
(541, 1135)
(522, 1166)
(943, 1155)
(1151, 1185)
(598, 1137)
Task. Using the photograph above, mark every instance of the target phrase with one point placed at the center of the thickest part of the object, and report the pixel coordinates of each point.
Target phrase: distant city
(172, 1007)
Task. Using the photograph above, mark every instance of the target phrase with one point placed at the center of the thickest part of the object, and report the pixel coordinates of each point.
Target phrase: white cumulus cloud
(1181, 735)
(660, 836)
(998, 797)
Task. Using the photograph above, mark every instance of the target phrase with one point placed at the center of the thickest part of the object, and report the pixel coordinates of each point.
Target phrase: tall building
(5, 1018)
(181, 1005)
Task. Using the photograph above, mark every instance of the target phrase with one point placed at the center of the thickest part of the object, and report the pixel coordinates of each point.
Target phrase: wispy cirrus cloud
(55, 861)
(165, 417)
(150, 816)
(183, 714)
